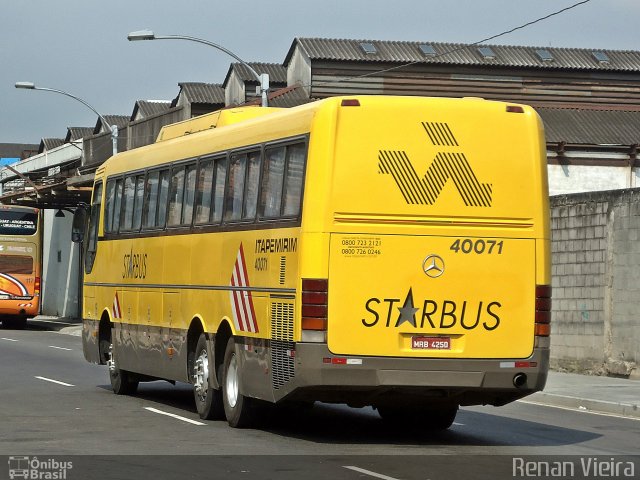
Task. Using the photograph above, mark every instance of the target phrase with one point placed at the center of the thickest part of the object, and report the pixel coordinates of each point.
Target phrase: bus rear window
(16, 264)
(18, 223)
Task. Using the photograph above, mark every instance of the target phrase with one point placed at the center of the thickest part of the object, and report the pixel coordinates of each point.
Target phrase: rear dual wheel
(239, 410)
(208, 400)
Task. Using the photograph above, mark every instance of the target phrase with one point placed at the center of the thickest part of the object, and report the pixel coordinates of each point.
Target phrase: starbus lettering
(434, 314)
(276, 245)
(135, 265)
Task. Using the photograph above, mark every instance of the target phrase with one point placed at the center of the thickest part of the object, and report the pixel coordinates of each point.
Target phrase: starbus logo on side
(135, 265)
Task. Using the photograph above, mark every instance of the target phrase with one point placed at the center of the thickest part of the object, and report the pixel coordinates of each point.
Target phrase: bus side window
(176, 192)
(137, 207)
(235, 187)
(189, 195)
(272, 183)
(108, 206)
(92, 238)
(150, 200)
(117, 204)
(253, 183)
(218, 194)
(204, 190)
(293, 182)
(163, 198)
(126, 221)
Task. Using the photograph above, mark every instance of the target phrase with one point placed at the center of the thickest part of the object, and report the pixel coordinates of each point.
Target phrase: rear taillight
(543, 310)
(36, 286)
(315, 295)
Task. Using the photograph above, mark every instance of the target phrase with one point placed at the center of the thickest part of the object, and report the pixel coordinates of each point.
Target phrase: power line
(558, 12)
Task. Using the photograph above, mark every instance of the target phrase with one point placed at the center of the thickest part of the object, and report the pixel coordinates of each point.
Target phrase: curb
(586, 404)
(75, 330)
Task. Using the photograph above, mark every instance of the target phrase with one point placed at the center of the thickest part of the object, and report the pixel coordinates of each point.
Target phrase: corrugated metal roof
(50, 144)
(277, 72)
(464, 54)
(147, 108)
(591, 127)
(201, 92)
(16, 150)
(289, 97)
(121, 121)
(285, 97)
(76, 133)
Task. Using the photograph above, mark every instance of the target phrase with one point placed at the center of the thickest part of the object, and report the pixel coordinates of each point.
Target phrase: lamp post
(263, 78)
(112, 128)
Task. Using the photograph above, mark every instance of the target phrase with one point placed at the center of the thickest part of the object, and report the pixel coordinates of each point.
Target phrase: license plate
(4, 297)
(431, 343)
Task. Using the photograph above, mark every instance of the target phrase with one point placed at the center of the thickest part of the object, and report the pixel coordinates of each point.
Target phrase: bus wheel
(122, 381)
(237, 408)
(424, 417)
(208, 399)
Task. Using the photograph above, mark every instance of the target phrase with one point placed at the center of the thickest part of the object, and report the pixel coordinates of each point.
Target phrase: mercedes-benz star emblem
(433, 266)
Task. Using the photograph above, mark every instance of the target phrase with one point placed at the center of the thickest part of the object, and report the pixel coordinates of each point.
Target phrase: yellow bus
(20, 247)
(367, 250)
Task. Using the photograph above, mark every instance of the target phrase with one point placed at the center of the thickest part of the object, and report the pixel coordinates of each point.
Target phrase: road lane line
(55, 381)
(173, 415)
(369, 472)
(9, 339)
(60, 348)
(571, 409)
(458, 424)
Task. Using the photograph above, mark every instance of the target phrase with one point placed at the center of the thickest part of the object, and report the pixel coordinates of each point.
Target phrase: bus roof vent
(218, 119)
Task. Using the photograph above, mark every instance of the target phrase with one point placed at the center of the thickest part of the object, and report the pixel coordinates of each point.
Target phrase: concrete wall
(596, 281)
(60, 274)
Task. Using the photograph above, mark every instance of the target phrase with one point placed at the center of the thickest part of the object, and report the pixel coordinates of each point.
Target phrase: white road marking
(458, 424)
(592, 412)
(60, 348)
(369, 472)
(173, 415)
(55, 381)
(9, 339)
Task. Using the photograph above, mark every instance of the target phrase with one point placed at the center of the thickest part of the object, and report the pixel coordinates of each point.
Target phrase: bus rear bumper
(321, 375)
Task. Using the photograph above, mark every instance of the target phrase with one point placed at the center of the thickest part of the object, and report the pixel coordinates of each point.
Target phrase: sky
(81, 47)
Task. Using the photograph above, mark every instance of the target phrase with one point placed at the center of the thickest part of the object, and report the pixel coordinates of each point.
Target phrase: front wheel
(208, 399)
(238, 409)
(122, 381)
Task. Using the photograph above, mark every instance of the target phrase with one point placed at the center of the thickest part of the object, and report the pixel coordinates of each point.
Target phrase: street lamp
(112, 128)
(263, 78)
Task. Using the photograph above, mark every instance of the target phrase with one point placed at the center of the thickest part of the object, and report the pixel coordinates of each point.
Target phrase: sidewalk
(618, 396)
(68, 326)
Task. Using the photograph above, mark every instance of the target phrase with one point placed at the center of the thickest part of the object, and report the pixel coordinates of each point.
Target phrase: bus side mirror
(79, 224)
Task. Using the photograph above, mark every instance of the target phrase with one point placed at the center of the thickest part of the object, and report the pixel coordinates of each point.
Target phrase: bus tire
(424, 417)
(238, 409)
(122, 381)
(208, 400)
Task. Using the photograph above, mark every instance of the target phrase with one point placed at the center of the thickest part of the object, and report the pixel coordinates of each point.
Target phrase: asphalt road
(54, 404)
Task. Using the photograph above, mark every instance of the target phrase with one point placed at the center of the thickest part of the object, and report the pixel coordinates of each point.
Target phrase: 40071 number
(480, 246)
